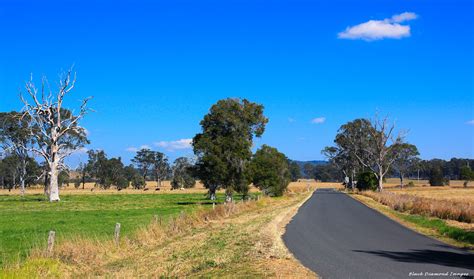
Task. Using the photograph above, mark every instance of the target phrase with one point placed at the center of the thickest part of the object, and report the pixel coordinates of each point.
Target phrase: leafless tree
(56, 130)
(379, 151)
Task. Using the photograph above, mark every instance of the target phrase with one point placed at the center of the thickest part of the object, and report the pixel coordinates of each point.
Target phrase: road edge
(392, 215)
(282, 221)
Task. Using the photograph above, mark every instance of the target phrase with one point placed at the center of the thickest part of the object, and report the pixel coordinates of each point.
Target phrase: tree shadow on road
(443, 258)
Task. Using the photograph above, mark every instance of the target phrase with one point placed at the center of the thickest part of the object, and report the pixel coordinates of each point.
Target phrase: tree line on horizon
(35, 141)
(442, 170)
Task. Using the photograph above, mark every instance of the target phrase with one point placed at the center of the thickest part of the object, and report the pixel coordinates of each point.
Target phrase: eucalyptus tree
(16, 139)
(182, 174)
(144, 160)
(160, 167)
(223, 148)
(365, 144)
(406, 159)
(270, 171)
(55, 129)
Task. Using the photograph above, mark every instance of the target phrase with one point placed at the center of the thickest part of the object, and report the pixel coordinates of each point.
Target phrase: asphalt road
(339, 237)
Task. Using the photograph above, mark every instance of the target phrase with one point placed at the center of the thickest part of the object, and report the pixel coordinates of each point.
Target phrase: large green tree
(223, 148)
(16, 139)
(373, 145)
(270, 171)
(144, 161)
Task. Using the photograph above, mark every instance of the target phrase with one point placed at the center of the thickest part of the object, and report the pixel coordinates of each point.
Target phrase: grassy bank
(430, 226)
(241, 240)
(25, 222)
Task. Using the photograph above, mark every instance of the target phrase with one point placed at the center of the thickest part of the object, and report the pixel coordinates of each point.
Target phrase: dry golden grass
(234, 240)
(449, 209)
(395, 182)
(164, 189)
(451, 193)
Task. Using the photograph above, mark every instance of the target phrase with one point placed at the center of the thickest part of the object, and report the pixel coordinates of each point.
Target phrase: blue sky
(155, 67)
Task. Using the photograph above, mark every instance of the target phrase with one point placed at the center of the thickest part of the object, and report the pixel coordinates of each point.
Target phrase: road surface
(339, 237)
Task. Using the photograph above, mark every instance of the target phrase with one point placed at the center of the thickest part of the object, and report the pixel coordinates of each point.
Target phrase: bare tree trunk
(22, 177)
(53, 180)
(401, 180)
(380, 177)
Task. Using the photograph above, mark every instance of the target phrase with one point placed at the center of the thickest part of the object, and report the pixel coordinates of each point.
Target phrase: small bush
(411, 184)
(138, 182)
(436, 177)
(366, 181)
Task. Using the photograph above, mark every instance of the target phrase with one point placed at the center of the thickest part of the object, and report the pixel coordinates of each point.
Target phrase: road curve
(339, 237)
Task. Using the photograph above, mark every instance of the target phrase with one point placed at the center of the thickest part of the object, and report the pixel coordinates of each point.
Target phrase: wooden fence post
(117, 234)
(51, 237)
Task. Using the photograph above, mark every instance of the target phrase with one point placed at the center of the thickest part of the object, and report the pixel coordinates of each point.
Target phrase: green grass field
(25, 222)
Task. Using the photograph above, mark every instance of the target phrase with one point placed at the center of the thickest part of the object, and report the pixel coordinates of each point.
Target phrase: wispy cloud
(291, 119)
(470, 122)
(135, 149)
(131, 149)
(174, 145)
(389, 28)
(318, 120)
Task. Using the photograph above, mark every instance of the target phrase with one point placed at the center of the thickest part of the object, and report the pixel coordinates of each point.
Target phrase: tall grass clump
(443, 209)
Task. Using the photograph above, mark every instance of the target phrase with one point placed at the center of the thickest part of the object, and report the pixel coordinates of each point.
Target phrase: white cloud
(174, 145)
(318, 120)
(470, 122)
(135, 149)
(291, 120)
(131, 149)
(406, 16)
(380, 29)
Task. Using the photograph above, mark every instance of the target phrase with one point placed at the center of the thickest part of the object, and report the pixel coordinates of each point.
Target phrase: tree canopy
(223, 148)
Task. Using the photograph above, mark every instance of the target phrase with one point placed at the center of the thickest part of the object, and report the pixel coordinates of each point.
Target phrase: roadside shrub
(411, 184)
(367, 181)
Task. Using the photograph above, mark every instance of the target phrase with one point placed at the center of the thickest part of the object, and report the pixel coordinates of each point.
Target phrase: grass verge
(241, 240)
(25, 222)
(430, 226)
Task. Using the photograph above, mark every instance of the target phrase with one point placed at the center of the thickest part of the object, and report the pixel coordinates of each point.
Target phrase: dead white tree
(379, 151)
(56, 130)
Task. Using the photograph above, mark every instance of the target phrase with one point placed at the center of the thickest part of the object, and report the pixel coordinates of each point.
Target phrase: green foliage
(108, 172)
(367, 181)
(182, 174)
(270, 171)
(223, 148)
(138, 182)
(466, 173)
(63, 178)
(122, 183)
(295, 171)
(144, 160)
(437, 178)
